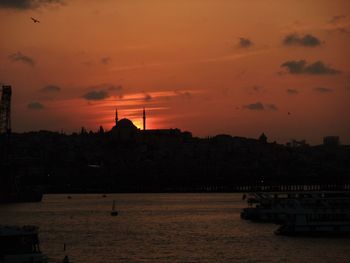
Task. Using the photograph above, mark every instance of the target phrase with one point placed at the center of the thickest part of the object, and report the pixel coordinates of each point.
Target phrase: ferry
(20, 245)
(320, 223)
(275, 207)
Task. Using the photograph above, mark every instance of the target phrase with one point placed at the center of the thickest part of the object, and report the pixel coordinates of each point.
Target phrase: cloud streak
(339, 24)
(28, 4)
(323, 90)
(19, 57)
(50, 89)
(337, 18)
(35, 106)
(316, 68)
(189, 62)
(292, 91)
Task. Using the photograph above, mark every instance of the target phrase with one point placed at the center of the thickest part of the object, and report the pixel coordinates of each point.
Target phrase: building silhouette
(5, 110)
(144, 119)
(331, 141)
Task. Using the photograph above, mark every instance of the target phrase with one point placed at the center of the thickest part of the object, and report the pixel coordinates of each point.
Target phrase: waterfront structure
(5, 110)
(20, 244)
(116, 116)
(278, 206)
(331, 141)
(144, 119)
(301, 213)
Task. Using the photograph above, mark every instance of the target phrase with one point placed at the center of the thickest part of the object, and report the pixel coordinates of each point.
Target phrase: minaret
(144, 119)
(116, 116)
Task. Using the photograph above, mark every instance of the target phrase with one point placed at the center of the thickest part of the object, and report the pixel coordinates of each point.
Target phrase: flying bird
(35, 20)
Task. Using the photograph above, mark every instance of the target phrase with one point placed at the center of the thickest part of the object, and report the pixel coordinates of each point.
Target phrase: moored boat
(320, 223)
(276, 207)
(114, 212)
(20, 245)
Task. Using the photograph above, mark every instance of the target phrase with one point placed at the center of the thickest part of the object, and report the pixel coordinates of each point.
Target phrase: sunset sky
(238, 67)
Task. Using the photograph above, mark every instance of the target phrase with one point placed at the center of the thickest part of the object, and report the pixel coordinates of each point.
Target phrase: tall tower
(5, 110)
(144, 119)
(116, 116)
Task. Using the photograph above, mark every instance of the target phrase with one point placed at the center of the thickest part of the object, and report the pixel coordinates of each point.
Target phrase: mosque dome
(124, 130)
(126, 124)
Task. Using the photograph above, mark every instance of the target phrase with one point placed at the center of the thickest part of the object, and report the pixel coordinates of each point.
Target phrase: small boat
(20, 244)
(65, 259)
(114, 212)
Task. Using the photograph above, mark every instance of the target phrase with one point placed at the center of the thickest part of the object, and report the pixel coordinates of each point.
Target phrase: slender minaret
(144, 119)
(116, 116)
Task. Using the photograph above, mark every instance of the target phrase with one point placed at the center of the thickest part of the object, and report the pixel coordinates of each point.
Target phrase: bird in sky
(35, 20)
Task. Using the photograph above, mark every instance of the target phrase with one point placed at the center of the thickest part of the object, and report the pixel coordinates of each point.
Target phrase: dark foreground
(163, 228)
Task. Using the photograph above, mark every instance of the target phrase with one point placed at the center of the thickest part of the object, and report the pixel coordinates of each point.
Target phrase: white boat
(20, 245)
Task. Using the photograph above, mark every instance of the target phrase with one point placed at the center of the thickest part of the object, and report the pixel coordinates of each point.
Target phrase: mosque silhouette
(125, 130)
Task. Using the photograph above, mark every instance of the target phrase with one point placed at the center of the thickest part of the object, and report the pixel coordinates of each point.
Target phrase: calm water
(163, 228)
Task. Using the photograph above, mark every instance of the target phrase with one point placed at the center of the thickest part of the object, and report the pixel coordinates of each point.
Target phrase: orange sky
(207, 66)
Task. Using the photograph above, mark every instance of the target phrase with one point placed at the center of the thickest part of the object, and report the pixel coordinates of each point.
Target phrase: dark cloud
(271, 107)
(107, 87)
(19, 57)
(306, 40)
(316, 68)
(35, 106)
(255, 89)
(343, 30)
(259, 106)
(103, 91)
(106, 60)
(96, 95)
(254, 106)
(147, 97)
(50, 88)
(28, 4)
(323, 90)
(337, 18)
(245, 42)
(292, 91)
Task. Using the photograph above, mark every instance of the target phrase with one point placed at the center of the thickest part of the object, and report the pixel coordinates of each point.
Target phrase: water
(163, 228)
